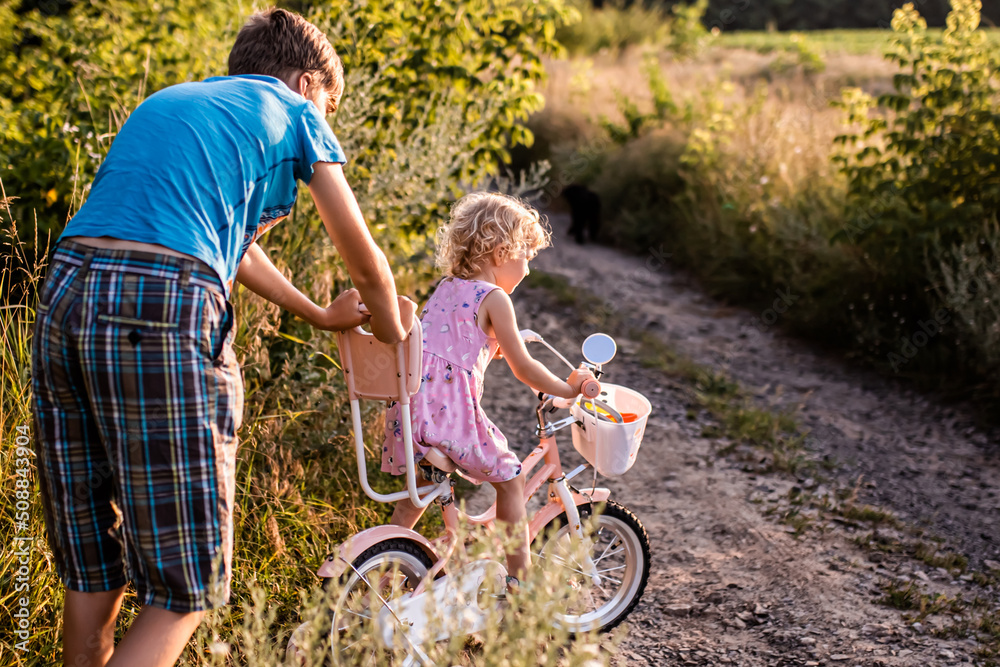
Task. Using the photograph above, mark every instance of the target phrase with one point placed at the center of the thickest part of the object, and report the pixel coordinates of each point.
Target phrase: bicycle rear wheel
(392, 568)
(619, 549)
(388, 570)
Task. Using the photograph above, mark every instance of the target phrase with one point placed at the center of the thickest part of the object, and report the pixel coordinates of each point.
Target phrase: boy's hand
(343, 313)
(577, 378)
(407, 312)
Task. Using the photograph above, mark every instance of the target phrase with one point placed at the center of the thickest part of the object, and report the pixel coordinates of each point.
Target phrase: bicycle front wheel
(619, 548)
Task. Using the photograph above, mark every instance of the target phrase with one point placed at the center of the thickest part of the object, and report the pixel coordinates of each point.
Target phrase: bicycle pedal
(432, 474)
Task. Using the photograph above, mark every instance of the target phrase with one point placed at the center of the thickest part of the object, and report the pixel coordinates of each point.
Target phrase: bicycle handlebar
(591, 388)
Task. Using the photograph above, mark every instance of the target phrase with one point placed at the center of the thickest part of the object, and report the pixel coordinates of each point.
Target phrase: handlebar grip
(591, 388)
(562, 403)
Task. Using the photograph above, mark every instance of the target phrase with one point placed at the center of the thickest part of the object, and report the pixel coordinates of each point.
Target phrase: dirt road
(730, 583)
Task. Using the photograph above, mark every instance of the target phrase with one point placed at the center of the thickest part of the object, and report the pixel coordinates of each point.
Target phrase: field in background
(828, 42)
(744, 155)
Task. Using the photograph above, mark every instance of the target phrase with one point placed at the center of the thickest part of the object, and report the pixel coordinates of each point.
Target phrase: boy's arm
(366, 263)
(258, 274)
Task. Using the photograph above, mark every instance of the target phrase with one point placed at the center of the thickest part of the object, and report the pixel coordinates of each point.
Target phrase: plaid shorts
(137, 398)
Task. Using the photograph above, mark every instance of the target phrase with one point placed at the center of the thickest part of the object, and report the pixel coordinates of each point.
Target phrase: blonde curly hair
(480, 223)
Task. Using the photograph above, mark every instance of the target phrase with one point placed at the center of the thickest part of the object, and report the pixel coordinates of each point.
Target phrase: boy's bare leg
(89, 627)
(156, 638)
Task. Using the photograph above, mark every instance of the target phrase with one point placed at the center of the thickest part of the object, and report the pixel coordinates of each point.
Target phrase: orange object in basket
(629, 417)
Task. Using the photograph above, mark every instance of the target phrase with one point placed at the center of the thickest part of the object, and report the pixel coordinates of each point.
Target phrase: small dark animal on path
(584, 211)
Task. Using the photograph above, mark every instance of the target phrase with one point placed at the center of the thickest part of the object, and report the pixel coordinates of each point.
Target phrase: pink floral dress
(446, 412)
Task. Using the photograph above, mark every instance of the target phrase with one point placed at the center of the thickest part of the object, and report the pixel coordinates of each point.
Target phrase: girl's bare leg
(511, 512)
(405, 513)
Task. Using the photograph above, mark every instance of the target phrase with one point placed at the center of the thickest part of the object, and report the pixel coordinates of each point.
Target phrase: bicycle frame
(359, 349)
(561, 498)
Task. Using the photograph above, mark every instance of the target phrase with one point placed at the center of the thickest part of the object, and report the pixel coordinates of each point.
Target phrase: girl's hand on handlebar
(576, 380)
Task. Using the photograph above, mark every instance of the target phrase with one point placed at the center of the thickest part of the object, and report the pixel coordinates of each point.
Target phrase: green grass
(966, 618)
(858, 42)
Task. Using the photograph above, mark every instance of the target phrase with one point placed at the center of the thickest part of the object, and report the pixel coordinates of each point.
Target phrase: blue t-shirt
(205, 168)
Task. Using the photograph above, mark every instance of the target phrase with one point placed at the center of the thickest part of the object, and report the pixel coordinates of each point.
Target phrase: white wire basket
(609, 440)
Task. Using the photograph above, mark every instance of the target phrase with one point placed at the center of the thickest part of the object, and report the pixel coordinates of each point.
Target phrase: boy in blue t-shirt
(137, 393)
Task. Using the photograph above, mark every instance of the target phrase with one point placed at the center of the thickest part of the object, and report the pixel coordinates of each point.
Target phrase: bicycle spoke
(610, 546)
(612, 569)
(605, 555)
(580, 572)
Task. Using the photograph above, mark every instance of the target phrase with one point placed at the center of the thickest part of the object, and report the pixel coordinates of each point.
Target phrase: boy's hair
(278, 43)
(480, 223)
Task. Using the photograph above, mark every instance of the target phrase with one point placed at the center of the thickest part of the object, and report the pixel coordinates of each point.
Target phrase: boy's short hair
(278, 43)
(480, 223)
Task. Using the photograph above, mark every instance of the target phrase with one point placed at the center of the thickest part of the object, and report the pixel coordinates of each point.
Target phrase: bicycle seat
(440, 461)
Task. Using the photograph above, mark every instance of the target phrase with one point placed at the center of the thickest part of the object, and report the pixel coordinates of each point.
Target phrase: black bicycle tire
(628, 517)
(401, 545)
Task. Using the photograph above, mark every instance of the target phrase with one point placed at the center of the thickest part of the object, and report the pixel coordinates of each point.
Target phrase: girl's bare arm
(497, 314)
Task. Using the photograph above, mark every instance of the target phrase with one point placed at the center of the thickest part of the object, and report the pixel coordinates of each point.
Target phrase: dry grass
(591, 85)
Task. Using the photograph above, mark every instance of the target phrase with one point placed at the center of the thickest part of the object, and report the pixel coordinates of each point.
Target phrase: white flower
(764, 180)
(219, 648)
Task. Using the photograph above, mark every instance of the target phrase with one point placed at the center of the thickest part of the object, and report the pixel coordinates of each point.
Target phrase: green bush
(613, 27)
(640, 181)
(618, 25)
(435, 92)
(922, 178)
(930, 151)
(68, 82)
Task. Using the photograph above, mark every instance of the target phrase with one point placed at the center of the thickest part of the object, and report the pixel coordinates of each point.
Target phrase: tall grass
(20, 277)
(297, 498)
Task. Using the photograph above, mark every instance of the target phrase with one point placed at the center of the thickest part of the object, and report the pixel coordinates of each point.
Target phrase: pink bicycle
(400, 579)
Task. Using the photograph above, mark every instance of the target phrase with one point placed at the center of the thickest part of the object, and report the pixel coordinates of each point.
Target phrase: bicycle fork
(576, 527)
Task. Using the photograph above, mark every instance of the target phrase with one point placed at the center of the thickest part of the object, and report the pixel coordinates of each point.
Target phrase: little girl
(484, 252)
